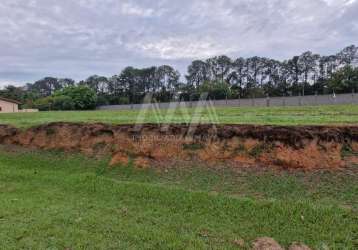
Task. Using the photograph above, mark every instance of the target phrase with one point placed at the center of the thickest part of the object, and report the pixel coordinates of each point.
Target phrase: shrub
(215, 90)
(44, 104)
(102, 100)
(63, 102)
(83, 98)
(123, 100)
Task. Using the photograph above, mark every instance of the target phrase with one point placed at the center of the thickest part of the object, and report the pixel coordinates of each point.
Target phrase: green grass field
(317, 115)
(52, 200)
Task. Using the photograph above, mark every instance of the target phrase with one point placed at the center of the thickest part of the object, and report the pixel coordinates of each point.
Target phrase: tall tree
(284, 79)
(344, 80)
(348, 55)
(168, 77)
(98, 83)
(254, 66)
(220, 67)
(236, 78)
(46, 86)
(13, 92)
(295, 69)
(66, 82)
(307, 63)
(198, 72)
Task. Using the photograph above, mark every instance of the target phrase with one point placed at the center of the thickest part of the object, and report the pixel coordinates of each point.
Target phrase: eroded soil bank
(304, 147)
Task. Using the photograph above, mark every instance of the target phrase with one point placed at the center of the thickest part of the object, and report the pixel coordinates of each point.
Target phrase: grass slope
(317, 115)
(57, 201)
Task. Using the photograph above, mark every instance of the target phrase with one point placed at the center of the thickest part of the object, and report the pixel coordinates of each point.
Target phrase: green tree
(62, 102)
(83, 97)
(216, 90)
(344, 80)
(12, 92)
(198, 72)
(44, 104)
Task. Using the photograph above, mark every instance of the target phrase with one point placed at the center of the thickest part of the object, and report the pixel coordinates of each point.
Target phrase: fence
(310, 100)
(28, 110)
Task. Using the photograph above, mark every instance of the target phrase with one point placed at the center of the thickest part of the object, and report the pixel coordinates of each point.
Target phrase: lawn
(317, 115)
(52, 200)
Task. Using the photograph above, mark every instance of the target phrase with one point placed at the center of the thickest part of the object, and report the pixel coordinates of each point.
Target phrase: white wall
(8, 107)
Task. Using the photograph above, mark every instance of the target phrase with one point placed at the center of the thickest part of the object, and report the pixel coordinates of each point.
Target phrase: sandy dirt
(291, 147)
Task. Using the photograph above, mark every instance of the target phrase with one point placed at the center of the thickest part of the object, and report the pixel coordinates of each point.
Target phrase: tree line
(221, 77)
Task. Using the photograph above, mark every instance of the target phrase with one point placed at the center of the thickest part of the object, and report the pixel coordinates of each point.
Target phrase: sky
(80, 38)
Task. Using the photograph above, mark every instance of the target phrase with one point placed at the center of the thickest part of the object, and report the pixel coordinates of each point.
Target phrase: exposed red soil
(266, 243)
(303, 147)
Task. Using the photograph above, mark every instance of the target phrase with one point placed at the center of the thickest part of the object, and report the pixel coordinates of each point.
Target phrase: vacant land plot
(340, 114)
(58, 201)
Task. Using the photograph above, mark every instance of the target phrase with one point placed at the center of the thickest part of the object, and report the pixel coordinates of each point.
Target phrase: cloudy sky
(78, 38)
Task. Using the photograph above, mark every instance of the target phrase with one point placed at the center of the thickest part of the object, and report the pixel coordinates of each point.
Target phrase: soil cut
(297, 147)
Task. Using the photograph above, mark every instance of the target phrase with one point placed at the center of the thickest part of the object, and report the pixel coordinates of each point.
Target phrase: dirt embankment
(305, 147)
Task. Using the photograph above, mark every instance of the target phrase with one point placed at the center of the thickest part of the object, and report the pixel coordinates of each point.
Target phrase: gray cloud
(79, 38)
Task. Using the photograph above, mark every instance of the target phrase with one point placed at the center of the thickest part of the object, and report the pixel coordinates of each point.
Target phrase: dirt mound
(303, 147)
(298, 246)
(266, 243)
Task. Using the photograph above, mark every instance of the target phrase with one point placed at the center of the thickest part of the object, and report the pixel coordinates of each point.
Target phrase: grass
(52, 200)
(315, 115)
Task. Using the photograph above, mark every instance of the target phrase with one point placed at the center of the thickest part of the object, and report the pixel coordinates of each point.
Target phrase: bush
(62, 102)
(344, 80)
(123, 100)
(102, 100)
(83, 98)
(44, 104)
(215, 90)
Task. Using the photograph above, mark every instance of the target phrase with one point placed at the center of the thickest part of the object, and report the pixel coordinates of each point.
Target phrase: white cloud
(181, 48)
(6, 82)
(136, 10)
(339, 2)
(83, 37)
